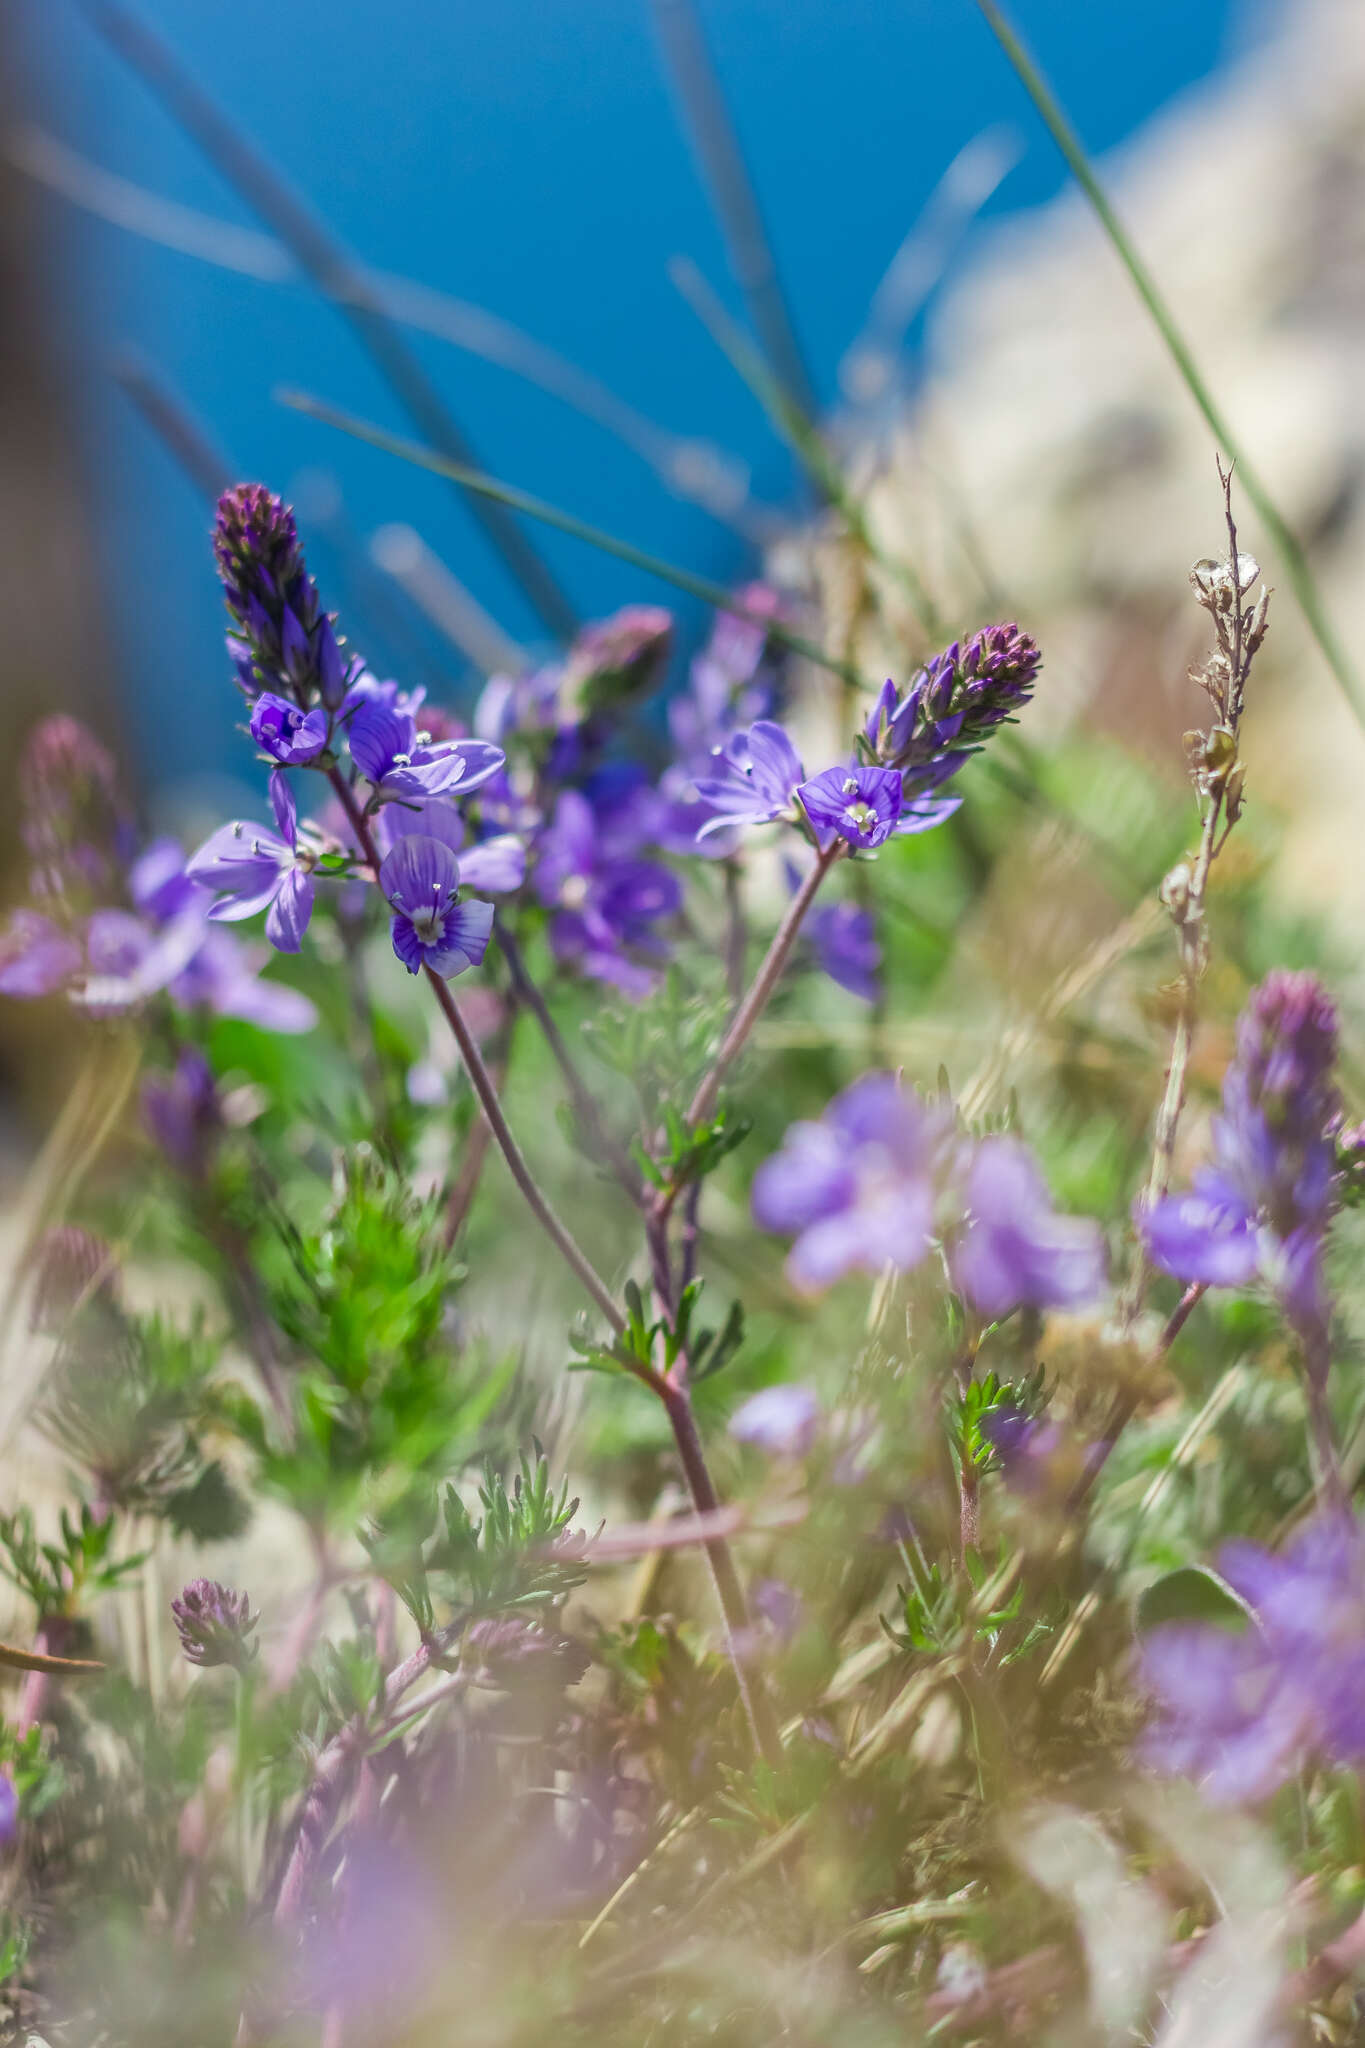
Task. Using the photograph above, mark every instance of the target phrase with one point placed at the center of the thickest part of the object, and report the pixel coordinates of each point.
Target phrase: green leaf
(1192, 1593)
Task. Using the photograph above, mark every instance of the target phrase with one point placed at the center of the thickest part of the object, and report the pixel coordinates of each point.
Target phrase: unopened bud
(214, 1622)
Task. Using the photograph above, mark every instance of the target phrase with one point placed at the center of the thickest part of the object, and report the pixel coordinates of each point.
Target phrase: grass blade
(1286, 543)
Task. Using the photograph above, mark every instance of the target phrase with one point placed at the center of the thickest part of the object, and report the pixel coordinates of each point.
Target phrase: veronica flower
(956, 699)
(182, 1112)
(784, 1421)
(495, 867)
(845, 941)
(281, 636)
(1261, 1211)
(288, 735)
(866, 806)
(420, 879)
(606, 900)
(730, 682)
(405, 763)
(1015, 1249)
(860, 805)
(254, 869)
(221, 973)
(757, 776)
(36, 956)
(1242, 1712)
(857, 1189)
(73, 826)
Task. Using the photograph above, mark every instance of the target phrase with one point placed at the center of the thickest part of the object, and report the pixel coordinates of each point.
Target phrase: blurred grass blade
(1284, 540)
(798, 430)
(334, 273)
(564, 522)
(747, 242)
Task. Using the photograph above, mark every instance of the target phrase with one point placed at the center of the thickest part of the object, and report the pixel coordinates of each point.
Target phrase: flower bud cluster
(214, 1622)
(956, 700)
(281, 640)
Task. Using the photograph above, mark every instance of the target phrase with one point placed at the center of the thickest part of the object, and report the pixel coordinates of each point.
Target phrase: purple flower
(182, 1113)
(783, 1421)
(36, 957)
(957, 698)
(730, 682)
(619, 657)
(430, 928)
(9, 1811)
(606, 900)
(405, 763)
(213, 1622)
(495, 867)
(861, 805)
(221, 975)
(758, 774)
(281, 639)
(256, 869)
(73, 827)
(1240, 1712)
(845, 942)
(1015, 1249)
(1262, 1209)
(288, 735)
(858, 1188)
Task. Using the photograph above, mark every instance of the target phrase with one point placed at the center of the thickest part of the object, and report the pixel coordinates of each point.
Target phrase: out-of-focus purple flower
(757, 776)
(182, 1113)
(860, 805)
(280, 639)
(1015, 1248)
(619, 657)
(1026, 1445)
(130, 959)
(607, 902)
(213, 1622)
(731, 681)
(36, 957)
(845, 942)
(858, 1188)
(74, 829)
(222, 975)
(253, 869)
(495, 867)
(403, 762)
(9, 1811)
(1241, 1712)
(430, 927)
(1261, 1211)
(956, 699)
(288, 735)
(783, 1421)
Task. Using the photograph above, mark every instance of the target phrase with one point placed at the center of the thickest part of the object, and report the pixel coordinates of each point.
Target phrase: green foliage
(647, 1345)
(58, 1575)
(519, 1553)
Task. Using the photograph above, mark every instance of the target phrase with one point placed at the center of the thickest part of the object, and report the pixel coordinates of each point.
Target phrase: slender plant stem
(1286, 542)
(584, 1102)
(461, 1198)
(482, 1081)
(757, 1706)
(762, 986)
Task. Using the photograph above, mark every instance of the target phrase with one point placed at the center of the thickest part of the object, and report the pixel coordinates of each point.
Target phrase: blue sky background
(527, 157)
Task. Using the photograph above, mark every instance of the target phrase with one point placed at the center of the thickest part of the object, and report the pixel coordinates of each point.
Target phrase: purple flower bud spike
(214, 1622)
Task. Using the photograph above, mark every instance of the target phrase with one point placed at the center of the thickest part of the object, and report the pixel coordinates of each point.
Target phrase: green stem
(474, 480)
